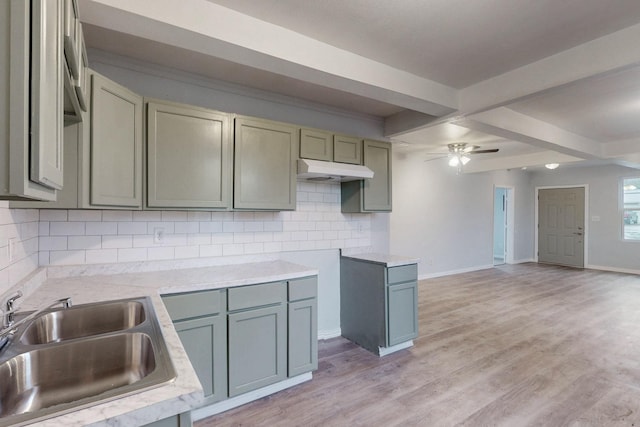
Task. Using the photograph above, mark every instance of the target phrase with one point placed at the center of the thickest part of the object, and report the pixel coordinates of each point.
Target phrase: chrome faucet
(10, 326)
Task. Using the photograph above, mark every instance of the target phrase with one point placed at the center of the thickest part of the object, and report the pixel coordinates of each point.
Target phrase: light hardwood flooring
(523, 345)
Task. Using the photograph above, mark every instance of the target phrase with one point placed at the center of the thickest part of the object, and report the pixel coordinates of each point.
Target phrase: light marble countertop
(185, 392)
(385, 259)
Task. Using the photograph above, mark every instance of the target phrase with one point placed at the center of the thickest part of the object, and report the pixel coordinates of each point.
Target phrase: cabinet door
(188, 157)
(402, 313)
(257, 348)
(180, 420)
(370, 195)
(47, 93)
(204, 340)
(265, 165)
(316, 145)
(303, 337)
(347, 149)
(116, 145)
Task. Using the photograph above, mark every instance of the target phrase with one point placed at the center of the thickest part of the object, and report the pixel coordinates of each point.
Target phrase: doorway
(561, 226)
(499, 226)
(503, 225)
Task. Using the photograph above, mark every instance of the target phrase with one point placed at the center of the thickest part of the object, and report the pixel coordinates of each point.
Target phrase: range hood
(316, 170)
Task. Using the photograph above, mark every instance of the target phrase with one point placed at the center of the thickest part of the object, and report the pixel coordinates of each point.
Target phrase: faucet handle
(12, 300)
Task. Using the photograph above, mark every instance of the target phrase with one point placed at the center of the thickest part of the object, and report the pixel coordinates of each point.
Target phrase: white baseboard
(330, 333)
(383, 351)
(234, 402)
(522, 261)
(613, 269)
(452, 272)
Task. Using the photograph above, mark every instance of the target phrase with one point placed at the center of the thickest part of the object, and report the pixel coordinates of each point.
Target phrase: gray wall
(447, 220)
(606, 249)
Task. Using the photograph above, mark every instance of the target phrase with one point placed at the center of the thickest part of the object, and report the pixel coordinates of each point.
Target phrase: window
(631, 208)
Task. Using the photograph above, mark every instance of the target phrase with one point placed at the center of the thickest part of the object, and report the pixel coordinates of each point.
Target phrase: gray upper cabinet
(188, 157)
(347, 149)
(31, 114)
(115, 145)
(316, 144)
(371, 195)
(264, 165)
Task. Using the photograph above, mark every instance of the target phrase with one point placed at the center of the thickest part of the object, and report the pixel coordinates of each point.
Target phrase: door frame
(586, 218)
(509, 248)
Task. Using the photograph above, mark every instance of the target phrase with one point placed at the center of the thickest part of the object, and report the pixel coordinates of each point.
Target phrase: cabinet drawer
(244, 297)
(193, 304)
(401, 274)
(303, 288)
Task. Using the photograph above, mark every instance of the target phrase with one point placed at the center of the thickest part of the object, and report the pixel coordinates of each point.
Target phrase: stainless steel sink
(82, 321)
(65, 360)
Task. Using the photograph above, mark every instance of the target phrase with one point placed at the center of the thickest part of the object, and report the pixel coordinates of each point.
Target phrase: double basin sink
(67, 359)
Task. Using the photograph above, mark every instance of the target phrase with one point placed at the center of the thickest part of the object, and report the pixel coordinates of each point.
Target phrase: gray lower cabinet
(201, 324)
(264, 165)
(257, 336)
(180, 420)
(303, 326)
(378, 304)
(189, 155)
(370, 195)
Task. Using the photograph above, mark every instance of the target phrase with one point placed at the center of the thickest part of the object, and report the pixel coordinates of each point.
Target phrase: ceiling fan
(460, 152)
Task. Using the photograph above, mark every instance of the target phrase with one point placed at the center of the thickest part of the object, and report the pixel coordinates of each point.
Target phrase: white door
(561, 226)
(499, 226)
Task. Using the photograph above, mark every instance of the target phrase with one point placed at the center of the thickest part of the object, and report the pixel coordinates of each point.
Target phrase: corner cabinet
(370, 195)
(378, 304)
(115, 154)
(264, 165)
(31, 116)
(188, 157)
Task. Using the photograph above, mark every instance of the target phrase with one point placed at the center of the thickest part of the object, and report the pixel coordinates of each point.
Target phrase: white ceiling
(542, 80)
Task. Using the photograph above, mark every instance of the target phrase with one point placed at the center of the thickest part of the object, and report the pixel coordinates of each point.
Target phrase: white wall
(447, 220)
(20, 225)
(606, 248)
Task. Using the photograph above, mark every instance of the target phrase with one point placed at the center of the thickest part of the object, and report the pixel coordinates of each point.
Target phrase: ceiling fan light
(454, 161)
(552, 165)
(465, 159)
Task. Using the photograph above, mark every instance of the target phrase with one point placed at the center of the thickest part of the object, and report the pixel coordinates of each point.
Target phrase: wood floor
(523, 345)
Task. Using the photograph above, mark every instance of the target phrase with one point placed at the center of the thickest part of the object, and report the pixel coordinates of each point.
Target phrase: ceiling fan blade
(491, 150)
(436, 158)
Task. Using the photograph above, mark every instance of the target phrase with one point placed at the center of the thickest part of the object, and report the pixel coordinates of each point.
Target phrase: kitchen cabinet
(371, 195)
(31, 115)
(180, 420)
(115, 147)
(257, 336)
(347, 149)
(74, 68)
(188, 157)
(378, 303)
(199, 319)
(303, 326)
(264, 165)
(317, 144)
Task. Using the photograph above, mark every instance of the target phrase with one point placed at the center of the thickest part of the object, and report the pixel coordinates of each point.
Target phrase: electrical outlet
(12, 249)
(158, 235)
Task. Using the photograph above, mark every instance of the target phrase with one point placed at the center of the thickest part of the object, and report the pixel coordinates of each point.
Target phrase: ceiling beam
(518, 162)
(510, 124)
(211, 29)
(607, 54)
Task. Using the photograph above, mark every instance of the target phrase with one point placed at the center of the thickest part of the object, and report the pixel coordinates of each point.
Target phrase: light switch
(595, 218)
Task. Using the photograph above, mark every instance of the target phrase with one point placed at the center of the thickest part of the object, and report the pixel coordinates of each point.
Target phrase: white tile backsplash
(60, 237)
